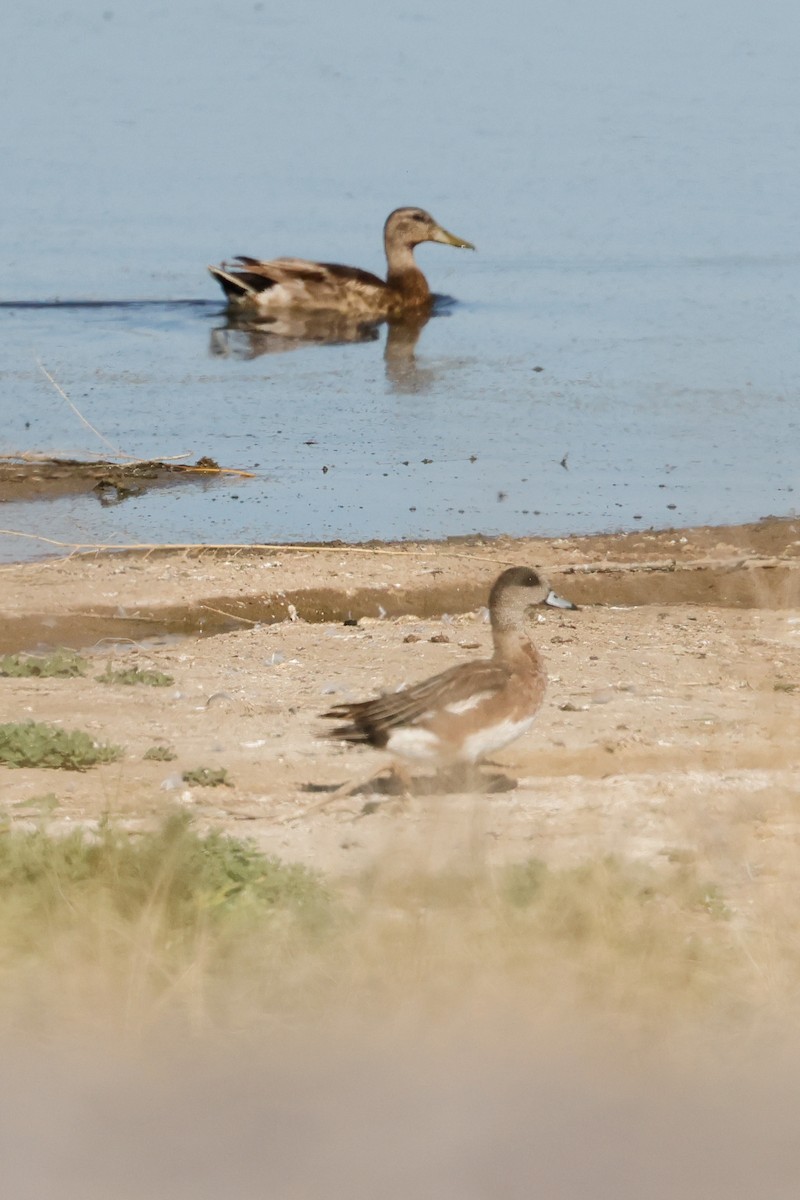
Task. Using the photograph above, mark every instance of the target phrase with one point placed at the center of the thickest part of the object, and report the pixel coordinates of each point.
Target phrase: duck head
(520, 589)
(410, 226)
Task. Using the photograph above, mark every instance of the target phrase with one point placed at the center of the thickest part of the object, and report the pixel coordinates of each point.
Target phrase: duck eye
(417, 217)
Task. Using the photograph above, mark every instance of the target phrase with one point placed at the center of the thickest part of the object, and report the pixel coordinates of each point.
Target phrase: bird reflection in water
(244, 337)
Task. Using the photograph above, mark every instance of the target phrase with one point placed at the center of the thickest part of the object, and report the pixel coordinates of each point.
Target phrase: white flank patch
(419, 745)
(462, 706)
(492, 737)
(276, 297)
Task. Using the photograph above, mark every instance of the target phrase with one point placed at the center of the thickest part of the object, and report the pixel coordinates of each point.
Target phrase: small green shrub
(61, 664)
(160, 754)
(33, 744)
(44, 804)
(133, 675)
(522, 881)
(172, 872)
(207, 777)
(583, 903)
(154, 929)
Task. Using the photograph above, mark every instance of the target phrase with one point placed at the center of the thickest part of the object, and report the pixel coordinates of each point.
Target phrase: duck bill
(552, 598)
(450, 239)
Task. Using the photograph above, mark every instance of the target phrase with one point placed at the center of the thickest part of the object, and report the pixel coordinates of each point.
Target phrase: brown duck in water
(294, 283)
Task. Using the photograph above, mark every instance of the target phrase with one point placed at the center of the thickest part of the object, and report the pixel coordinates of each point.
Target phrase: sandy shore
(670, 728)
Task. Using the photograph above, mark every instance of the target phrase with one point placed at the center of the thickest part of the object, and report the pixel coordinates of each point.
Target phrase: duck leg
(398, 783)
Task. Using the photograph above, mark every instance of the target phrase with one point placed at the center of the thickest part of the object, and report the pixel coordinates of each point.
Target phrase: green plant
(207, 777)
(44, 803)
(169, 928)
(111, 925)
(160, 754)
(61, 664)
(133, 675)
(171, 873)
(522, 882)
(33, 744)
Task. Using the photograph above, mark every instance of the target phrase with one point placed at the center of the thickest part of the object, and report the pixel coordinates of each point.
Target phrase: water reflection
(402, 369)
(245, 338)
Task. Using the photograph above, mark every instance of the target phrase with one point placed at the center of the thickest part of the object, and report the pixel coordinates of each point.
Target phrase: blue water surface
(623, 351)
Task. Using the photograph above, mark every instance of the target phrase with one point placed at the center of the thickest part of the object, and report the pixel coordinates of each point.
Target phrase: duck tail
(360, 729)
(234, 286)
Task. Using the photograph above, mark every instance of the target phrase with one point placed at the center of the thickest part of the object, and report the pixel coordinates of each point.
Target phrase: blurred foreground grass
(138, 931)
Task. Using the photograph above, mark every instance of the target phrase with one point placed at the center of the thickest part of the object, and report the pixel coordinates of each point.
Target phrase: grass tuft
(523, 881)
(61, 664)
(34, 744)
(160, 754)
(205, 931)
(45, 803)
(188, 873)
(132, 675)
(208, 777)
(139, 922)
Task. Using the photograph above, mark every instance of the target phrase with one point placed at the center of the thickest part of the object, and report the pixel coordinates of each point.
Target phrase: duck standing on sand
(262, 288)
(474, 708)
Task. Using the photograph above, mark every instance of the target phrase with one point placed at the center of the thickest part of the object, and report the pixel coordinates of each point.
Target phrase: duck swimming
(281, 284)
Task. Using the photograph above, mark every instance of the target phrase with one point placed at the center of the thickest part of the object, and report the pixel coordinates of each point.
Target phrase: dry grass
(134, 932)
(127, 929)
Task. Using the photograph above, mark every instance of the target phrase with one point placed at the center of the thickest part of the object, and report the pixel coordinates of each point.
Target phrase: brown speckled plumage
(293, 283)
(473, 708)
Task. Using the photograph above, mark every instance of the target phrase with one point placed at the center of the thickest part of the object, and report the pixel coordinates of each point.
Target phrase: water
(625, 170)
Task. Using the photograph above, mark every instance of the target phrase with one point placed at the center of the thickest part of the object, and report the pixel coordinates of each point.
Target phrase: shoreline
(76, 599)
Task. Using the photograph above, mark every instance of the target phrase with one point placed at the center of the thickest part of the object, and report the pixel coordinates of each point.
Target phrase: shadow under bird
(280, 284)
(456, 718)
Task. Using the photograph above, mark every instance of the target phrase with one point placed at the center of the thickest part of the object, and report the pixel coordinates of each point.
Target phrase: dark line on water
(28, 304)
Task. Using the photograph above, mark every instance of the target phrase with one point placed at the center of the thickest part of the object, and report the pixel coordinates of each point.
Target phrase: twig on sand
(231, 616)
(731, 563)
(250, 547)
(116, 451)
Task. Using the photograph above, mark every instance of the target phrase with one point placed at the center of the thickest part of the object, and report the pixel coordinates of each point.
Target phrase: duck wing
(297, 282)
(456, 690)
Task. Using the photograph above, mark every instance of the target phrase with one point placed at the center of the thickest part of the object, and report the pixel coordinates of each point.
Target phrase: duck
(456, 718)
(260, 288)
